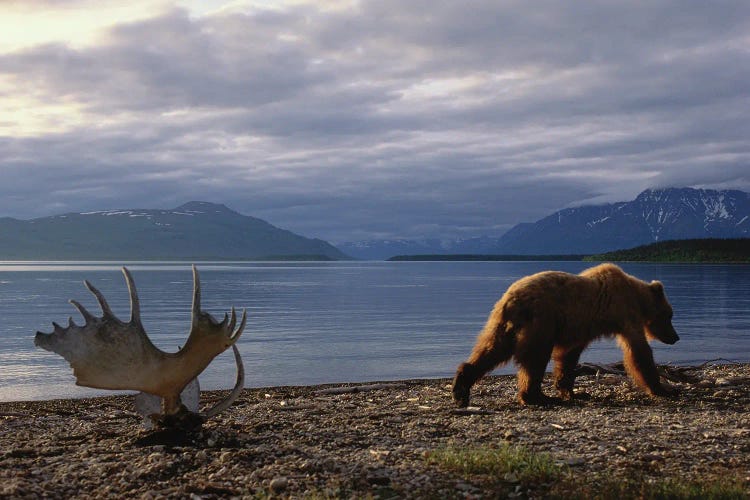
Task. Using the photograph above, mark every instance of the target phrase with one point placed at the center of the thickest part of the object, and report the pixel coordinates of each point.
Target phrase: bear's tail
(494, 346)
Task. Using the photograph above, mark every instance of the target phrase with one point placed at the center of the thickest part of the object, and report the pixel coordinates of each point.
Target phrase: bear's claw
(461, 395)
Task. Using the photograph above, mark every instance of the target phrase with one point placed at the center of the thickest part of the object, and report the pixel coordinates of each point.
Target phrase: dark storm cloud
(388, 118)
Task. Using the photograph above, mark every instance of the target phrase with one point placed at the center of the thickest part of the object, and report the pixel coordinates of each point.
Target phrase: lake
(321, 322)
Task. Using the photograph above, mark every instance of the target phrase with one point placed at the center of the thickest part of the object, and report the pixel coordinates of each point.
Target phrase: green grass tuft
(499, 467)
(523, 465)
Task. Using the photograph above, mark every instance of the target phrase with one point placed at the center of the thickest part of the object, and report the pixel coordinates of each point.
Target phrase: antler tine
(236, 334)
(232, 321)
(135, 303)
(106, 311)
(87, 316)
(236, 391)
(196, 293)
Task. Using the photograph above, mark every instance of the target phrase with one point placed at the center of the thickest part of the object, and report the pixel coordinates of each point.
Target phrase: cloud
(380, 118)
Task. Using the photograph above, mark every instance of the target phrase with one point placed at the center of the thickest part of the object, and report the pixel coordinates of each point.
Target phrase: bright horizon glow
(84, 23)
(77, 24)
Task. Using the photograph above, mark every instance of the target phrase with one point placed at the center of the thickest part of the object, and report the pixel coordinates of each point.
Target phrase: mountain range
(654, 215)
(204, 231)
(195, 230)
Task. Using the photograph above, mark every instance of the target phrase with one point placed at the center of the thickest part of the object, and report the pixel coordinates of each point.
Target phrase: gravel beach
(359, 440)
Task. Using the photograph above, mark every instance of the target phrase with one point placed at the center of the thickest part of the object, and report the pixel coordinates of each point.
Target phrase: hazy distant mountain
(384, 249)
(196, 230)
(655, 215)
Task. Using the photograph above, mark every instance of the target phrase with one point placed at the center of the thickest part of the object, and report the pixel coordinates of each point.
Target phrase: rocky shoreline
(376, 440)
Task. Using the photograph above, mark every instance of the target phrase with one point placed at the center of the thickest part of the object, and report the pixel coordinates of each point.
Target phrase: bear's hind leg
(532, 364)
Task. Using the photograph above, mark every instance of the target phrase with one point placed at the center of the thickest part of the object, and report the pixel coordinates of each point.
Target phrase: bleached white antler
(107, 353)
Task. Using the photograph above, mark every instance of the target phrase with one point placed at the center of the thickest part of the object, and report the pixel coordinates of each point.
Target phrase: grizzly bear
(556, 314)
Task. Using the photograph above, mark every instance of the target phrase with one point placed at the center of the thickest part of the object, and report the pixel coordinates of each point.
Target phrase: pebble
(517, 493)
(575, 462)
(379, 479)
(218, 474)
(380, 454)
(610, 380)
(462, 486)
(510, 477)
(278, 484)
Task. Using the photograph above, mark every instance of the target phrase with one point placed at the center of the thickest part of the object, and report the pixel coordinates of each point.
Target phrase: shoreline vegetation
(713, 250)
(703, 251)
(402, 439)
(484, 258)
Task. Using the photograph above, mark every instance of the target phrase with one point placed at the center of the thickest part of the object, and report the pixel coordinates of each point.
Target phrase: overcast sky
(351, 120)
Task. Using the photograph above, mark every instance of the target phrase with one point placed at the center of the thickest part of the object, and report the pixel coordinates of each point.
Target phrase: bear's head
(659, 315)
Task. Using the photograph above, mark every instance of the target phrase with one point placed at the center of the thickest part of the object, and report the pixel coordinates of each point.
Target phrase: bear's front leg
(566, 362)
(640, 365)
(462, 382)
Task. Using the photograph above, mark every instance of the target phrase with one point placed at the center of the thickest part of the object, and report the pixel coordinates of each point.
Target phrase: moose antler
(106, 353)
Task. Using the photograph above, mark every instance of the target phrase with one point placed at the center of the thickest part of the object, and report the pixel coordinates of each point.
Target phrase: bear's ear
(657, 289)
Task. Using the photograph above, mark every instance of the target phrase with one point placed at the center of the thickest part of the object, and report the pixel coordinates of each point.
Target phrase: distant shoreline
(481, 258)
(697, 251)
(692, 251)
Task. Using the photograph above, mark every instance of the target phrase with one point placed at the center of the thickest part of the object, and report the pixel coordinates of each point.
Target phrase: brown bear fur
(555, 314)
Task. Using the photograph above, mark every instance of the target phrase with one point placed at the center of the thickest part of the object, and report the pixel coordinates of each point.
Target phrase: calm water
(314, 323)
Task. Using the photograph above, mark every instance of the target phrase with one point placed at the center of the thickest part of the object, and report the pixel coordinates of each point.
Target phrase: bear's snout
(663, 331)
(669, 335)
(672, 339)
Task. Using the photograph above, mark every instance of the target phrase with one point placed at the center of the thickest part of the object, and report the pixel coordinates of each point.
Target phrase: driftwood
(13, 414)
(671, 373)
(357, 388)
(596, 369)
(472, 410)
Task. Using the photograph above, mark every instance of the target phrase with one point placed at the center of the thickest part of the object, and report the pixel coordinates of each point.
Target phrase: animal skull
(107, 353)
